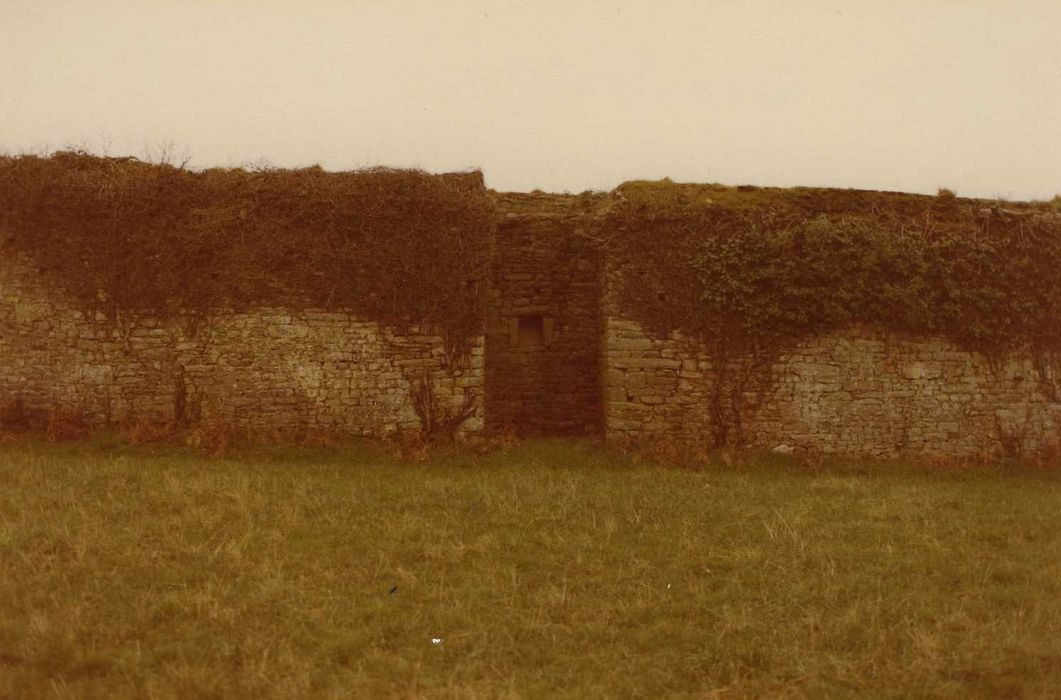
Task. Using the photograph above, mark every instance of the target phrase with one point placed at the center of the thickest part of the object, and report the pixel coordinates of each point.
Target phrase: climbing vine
(746, 273)
(132, 240)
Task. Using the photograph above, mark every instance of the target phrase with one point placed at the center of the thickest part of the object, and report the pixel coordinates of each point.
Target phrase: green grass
(553, 570)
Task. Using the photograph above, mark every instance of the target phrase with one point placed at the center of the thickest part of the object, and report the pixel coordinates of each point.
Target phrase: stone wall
(859, 392)
(270, 368)
(557, 357)
(543, 324)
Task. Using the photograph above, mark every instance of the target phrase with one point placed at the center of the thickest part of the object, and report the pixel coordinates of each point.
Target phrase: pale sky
(906, 95)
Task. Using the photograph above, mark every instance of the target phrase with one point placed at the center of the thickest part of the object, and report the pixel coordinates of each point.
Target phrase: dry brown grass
(66, 424)
(214, 438)
(550, 569)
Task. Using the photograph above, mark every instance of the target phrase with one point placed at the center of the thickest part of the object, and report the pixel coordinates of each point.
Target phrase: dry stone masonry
(267, 369)
(543, 327)
(858, 392)
(557, 356)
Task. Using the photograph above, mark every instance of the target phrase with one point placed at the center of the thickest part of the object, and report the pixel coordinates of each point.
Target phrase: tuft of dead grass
(66, 424)
(214, 439)
(144, 430)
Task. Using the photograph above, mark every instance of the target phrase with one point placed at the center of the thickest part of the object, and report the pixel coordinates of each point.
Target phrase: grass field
(555, 569)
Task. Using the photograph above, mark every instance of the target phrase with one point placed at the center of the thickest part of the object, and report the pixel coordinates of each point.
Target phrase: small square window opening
(531, 332)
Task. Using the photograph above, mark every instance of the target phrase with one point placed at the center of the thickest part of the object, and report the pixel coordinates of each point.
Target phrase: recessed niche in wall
(530, 331)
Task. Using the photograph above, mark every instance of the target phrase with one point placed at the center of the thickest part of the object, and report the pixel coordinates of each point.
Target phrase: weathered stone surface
(596, 370)
(268, 368)
(861, 391)
(543, 268)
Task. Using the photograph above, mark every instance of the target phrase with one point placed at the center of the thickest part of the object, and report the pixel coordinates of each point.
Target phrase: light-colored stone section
(861, 391)
(267, 368)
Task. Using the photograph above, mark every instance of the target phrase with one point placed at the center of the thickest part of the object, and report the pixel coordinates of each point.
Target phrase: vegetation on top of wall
(750, 271)
(133, 240)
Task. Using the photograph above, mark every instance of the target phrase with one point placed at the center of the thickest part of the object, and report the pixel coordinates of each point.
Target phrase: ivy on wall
(131, 240)
(744, 272)
(748, 272)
